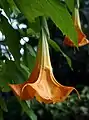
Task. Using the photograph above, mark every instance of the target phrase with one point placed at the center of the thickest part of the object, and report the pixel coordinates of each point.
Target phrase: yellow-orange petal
(81, 39)
(84, 42)
(47, 89)
(68, 42)
(16, 88)
(26, 95)
(81, 35)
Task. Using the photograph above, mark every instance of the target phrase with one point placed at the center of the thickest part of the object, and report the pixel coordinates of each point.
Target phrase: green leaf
(35, 25)
(8, 6)
(29, 57)
(17, 73)
(4, 80)
(70, 4)
(31, 50)
(68, 60)
(1, 115)
(57, 48)
(11, 38)
(25, 68)
(11, 73)
(5, 6)
(28, 110)
(54, 45)
(3, 105)
(51, 8)
(13, 6)
(30, 32)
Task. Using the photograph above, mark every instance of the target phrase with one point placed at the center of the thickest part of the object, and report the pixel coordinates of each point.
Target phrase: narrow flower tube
(82, 40)
(42, 83)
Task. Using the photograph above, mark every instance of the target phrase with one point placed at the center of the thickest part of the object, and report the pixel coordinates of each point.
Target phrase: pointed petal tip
(72, 88)
(77, 94)
(16, 88)
(68, 90)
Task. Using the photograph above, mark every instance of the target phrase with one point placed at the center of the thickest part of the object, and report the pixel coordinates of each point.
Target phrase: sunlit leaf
(52, 8)
(70, 4)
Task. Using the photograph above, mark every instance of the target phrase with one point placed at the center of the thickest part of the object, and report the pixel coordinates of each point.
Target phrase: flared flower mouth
(46, 89)
(82, 40)
(42, 83)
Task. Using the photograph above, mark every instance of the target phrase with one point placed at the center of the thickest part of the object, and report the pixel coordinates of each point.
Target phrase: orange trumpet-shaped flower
(81, 36)
(41, 83)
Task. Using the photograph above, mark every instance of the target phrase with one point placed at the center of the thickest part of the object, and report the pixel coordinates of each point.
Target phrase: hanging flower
(81, 36)
(41, 83)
